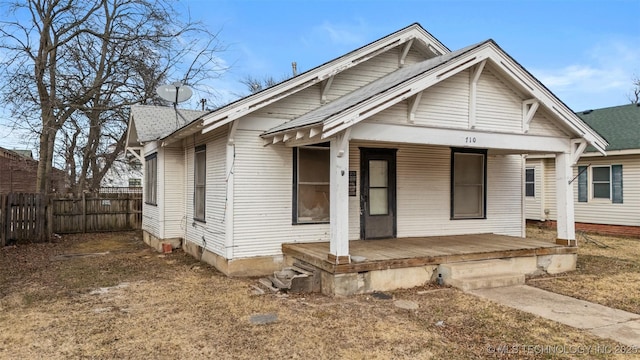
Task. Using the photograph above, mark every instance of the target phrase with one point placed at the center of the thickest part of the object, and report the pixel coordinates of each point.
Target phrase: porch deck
(421, 251)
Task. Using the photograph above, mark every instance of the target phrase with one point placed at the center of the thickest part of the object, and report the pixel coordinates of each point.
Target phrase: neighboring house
(607, 190)
(18, 172)
(400, 139)
(126, 171)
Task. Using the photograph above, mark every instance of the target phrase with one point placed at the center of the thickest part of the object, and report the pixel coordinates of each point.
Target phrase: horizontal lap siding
(498, 107)
(173, 184)
(211, 234)
(604, 211)
(423, 193)
(550, 188)
(150, 213)
(533, 205)
(445, 104)
(541, 125)
(263, 199)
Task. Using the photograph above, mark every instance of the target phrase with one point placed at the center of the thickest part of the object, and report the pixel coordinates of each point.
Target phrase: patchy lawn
(608, 271)
(109, 296)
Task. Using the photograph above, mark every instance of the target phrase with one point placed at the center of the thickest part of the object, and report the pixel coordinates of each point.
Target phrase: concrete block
(340, 284)
(558, 263)
(524, 265)
(392, 279)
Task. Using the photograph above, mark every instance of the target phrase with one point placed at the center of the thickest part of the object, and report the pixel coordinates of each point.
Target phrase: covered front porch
(381, 265)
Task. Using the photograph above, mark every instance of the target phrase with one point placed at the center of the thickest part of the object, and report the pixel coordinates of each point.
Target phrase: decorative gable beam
(287, 136)
(529, 108)
(277, 139)
(473, 92)
(299, 134)
(577, 148)
(405, 52)
(413, 106)
(325, 86)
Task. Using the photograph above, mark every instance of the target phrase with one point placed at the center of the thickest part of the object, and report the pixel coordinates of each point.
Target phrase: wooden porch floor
(421, 251)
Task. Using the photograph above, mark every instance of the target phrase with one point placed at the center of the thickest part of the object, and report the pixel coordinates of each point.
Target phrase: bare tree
(634, 97)
(75, 67)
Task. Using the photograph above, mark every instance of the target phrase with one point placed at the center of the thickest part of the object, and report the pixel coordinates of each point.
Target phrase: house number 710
(470, 140)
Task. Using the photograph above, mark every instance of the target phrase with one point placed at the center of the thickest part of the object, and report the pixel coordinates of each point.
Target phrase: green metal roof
(619, 125)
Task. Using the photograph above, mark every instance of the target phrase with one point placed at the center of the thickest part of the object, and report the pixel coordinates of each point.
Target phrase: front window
(601, 182)
(311, 185)
(151, 179)
(200, 180)
(530, 182)
(468, 190)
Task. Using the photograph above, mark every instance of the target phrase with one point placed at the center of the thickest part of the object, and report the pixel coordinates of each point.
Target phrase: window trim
(294, 187)
(482, 152)
(530, 182)
(199, 150)
(148, 199)
(592, 183)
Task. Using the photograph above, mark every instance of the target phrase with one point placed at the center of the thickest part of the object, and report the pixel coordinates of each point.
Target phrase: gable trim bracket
(325, 86)
(529, 108)
(343, 142)
(577, 148)
(405, 52)
(231, 137)
(414, 102)
(473, 92)
(135, 151)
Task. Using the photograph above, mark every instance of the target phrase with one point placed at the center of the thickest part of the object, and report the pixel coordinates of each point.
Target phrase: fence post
(49, 202)
(84, 212)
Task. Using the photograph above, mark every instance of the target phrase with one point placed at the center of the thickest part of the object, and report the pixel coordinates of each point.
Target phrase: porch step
(482, 274)
(475, 268)
(486, 282)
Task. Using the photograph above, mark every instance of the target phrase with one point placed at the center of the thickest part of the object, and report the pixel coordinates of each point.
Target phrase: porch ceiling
(421, 251)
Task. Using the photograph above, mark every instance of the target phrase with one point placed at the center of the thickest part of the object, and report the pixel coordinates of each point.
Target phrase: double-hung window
(601, 182)
(200, 181)
(468, 183)
(151, 179)
(311, 184)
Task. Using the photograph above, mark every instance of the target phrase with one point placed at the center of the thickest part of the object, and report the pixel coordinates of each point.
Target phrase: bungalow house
(401, 140)
(607, 191)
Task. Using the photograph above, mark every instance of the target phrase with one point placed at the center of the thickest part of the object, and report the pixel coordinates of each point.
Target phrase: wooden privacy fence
(34, 217)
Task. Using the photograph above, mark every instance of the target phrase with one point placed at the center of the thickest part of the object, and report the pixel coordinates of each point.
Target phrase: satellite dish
(175, 93)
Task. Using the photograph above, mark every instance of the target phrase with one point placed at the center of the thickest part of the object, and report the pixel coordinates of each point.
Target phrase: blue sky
(585, 51)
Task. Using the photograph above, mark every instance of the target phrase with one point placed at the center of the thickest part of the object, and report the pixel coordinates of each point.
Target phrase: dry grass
(134, 303)
(606, 275)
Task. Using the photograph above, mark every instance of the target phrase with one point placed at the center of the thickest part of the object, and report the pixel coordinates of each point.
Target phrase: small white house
(401, 139)
(607, 190)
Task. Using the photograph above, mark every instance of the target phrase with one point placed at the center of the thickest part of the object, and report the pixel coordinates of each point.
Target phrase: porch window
(468, 179)
(311, 184)
(151, 179)
(200, 180)
(530, 182)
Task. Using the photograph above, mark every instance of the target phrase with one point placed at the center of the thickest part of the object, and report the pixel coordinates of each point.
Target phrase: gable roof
(150, 122)
(412, 34)
(336, 107)
(620, 125)
(407, 82)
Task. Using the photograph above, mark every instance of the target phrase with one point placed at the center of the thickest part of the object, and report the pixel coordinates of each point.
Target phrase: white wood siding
(211, 233)
(445, 104)
(150, 213)
(499, 108)
(597, 211)
(263, 199)
(173, 191)
(534, 206)
(541, 125)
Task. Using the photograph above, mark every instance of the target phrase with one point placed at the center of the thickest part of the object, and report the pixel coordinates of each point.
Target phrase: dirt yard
(107, 296)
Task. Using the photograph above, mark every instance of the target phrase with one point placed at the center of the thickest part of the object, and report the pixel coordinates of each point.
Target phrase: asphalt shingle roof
(156, 122)
(619, 125)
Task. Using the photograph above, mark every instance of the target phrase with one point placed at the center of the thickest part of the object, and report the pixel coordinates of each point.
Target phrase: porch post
(564, 201)
(339, 200)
